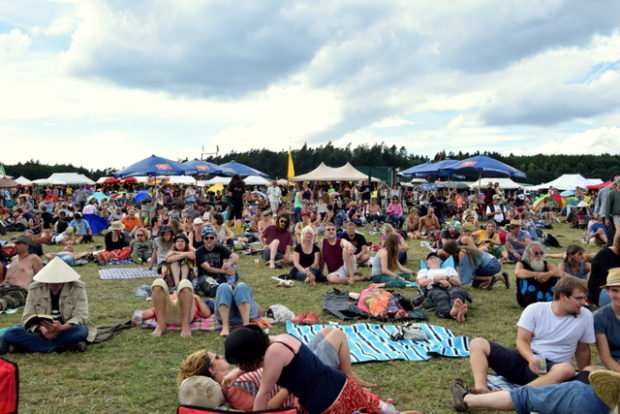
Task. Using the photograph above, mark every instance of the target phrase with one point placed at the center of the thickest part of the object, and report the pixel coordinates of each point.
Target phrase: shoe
(311, 319)
(299, 318)
(506, 279)
(458, 391)
(491, 283)
(80, 346)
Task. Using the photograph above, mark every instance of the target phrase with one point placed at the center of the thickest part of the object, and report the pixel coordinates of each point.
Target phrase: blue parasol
(483, 166)
(155, 166)
(241, 169)
(203, 167)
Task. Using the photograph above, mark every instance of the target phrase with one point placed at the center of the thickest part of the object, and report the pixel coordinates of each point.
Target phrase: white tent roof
(567, 182)
(48, 181)
(505, 183)
(255, 180)
(23, 181)
(182, 179)
(324, 173)
(71, 178)
(215, 180)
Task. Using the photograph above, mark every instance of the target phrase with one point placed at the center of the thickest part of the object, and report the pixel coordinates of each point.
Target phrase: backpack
(550, 241)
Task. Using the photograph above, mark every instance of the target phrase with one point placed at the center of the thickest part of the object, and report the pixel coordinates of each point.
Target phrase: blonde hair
(195, 364)
(306, 230)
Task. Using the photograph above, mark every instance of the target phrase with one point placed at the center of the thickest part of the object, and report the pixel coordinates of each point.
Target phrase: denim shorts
(571, 397)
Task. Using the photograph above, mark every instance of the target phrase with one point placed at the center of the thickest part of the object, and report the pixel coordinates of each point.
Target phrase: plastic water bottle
(387, 407)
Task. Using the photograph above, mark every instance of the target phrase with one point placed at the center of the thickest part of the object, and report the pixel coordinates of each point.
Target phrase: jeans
(488, 266)
(565, 398)
(302, 276)
(397, 221)
(30, 342)
(231, 297)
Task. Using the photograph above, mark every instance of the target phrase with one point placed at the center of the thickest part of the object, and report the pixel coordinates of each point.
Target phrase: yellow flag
(291, 167)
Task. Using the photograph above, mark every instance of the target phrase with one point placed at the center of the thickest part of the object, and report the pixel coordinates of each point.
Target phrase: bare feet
(456, 308)
(157, 331)
(475, 390)
(460, 316)
(272, 265)
(186, 332)
(225, 332)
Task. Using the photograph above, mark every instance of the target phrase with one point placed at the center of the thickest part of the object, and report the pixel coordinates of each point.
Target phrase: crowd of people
(193, 239)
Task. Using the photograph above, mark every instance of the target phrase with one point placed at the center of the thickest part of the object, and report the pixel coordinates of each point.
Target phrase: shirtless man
(429, 223)
(14, 287)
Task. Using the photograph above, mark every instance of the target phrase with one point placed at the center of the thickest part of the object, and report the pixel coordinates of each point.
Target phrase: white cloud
(14, 42)
(61, 26)
(592, 141)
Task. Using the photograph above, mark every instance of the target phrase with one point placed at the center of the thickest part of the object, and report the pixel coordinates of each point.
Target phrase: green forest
(539, 168)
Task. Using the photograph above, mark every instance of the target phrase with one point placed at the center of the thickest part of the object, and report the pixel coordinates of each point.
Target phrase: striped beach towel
(126, 273)
(371, 342)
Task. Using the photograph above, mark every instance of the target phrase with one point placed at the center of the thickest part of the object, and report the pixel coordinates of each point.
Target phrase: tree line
(539, 168)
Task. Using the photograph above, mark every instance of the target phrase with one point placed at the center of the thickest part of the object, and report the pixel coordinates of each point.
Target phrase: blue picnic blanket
(371, 342)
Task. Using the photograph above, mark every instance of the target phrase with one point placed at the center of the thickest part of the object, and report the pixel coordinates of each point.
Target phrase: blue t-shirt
(596, 225)
(606, 322)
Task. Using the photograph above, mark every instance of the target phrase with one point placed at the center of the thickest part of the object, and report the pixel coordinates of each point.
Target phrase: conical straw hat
(57, 271)
(606, 384)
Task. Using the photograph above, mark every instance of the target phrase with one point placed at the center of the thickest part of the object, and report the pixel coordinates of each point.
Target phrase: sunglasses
(210, 238)
(330, 229)
(538, 253)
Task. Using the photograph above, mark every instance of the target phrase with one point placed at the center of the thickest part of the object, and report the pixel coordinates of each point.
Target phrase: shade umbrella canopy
(6, 182)
(483, 166)
(436, 169)
(590, 187)
(155, 166)
(241, 169)
(98, 196)
(216, 187)
(203, 167)
(412, 171)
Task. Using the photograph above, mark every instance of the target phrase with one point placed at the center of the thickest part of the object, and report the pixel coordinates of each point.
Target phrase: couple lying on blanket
(233, 306)
(296, 365)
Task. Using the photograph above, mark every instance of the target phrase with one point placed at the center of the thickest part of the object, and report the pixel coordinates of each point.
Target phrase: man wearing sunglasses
(536, 277)
(215, 262)
(549, 335)
(277, 240)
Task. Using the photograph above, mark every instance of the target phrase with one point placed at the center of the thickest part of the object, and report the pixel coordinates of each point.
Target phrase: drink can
(542, 365)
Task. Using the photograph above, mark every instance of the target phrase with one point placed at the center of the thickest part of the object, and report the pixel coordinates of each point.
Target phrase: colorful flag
(291, 167)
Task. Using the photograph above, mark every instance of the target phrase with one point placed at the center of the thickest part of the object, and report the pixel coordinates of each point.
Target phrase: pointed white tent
(23, 181)
(568, 182)
(324, 173)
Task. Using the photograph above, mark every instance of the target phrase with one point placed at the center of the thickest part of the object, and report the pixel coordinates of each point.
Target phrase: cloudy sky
(104, 83)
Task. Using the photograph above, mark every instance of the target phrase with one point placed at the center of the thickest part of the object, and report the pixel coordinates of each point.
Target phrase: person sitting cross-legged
(56, 292)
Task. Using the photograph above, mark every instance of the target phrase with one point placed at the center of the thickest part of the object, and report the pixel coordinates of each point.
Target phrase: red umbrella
(111, 180)
(599, 186)
(130, 180)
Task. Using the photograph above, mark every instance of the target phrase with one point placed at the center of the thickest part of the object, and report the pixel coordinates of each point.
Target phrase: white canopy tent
(255, 180)
(504, 183)
(71, 179)
(23, 181)
(214, 180)
(181, 180)
(48, 181)
(324, 173)
(568, 182)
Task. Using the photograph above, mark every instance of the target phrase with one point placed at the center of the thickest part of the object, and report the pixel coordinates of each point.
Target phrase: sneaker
(299, 318)
(426, 245)
(311, 319)
(458, 391)
(506, 279)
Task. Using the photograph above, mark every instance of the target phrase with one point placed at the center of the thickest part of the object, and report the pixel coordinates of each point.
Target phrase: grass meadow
(136, 373)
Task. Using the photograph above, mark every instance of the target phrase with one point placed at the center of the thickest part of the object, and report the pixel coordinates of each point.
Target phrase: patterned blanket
(371, 342)
(126, 273)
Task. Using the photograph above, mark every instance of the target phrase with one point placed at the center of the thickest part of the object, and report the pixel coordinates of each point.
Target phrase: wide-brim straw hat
(57, 271)
(201, 391)
(116, 225)
(514, 223)
(613, 278)
(606, 385)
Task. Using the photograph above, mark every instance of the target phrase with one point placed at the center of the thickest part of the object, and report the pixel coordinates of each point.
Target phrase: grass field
(135, 373)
